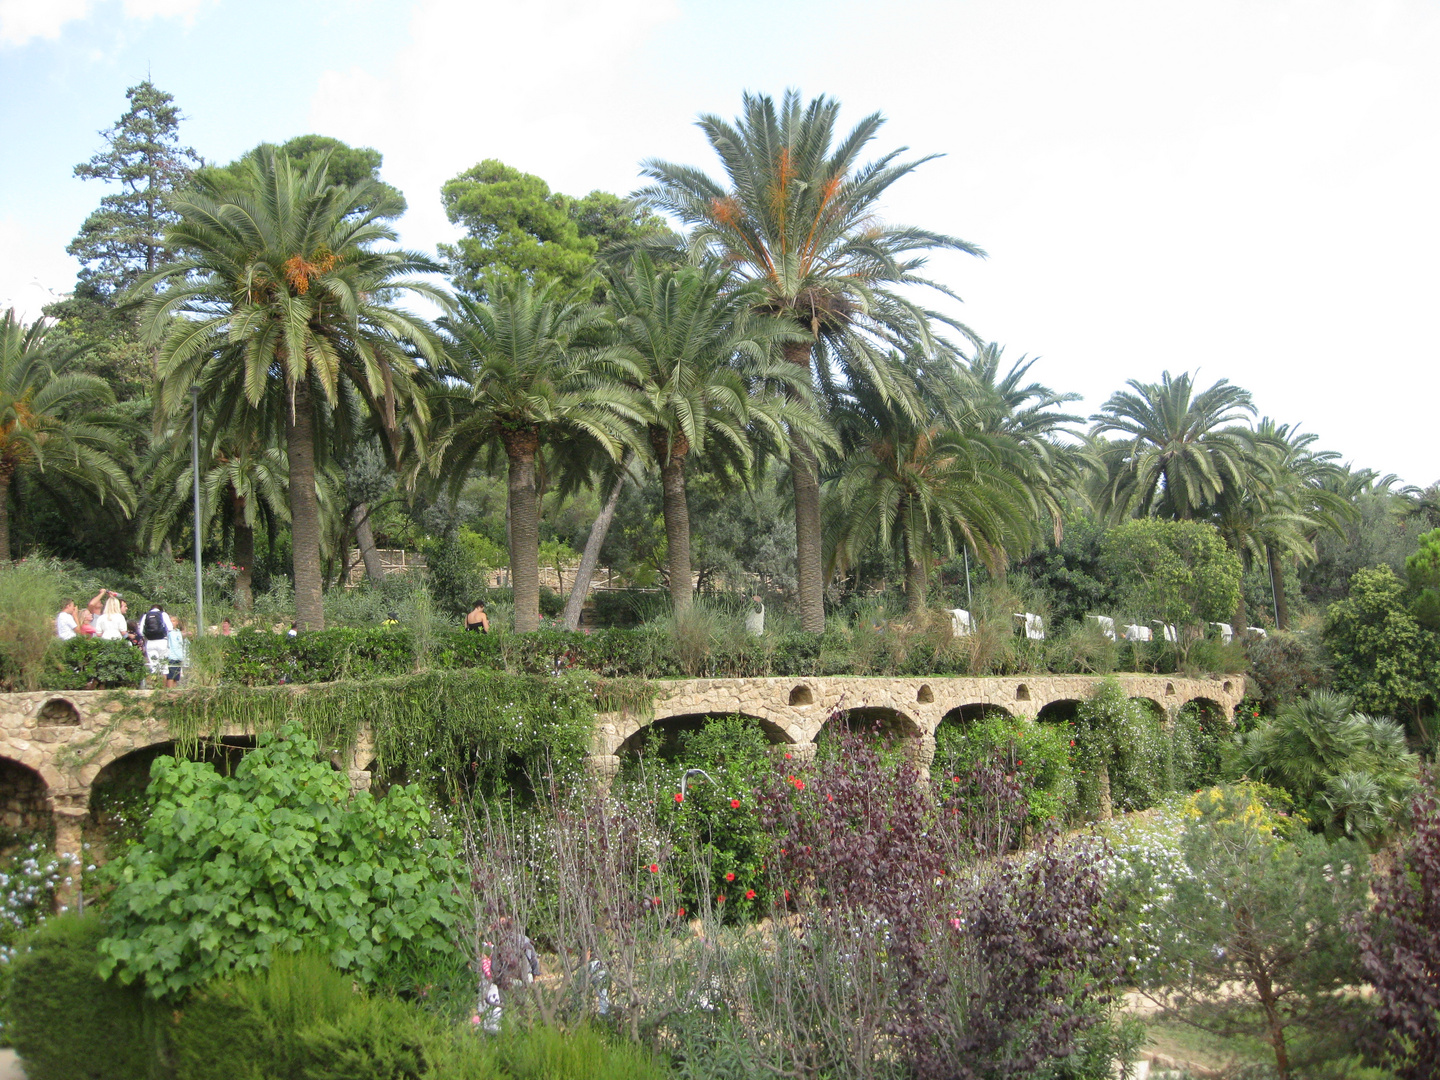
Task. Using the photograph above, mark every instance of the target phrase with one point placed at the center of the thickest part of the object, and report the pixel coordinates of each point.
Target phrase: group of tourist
(106, 617)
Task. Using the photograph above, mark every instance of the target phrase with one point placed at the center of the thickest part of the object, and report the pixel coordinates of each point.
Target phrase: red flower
(750, 894)
(956, 779)
(799, 785)
(734, 804)
(679, 796)
(730, 876)
(656, 899)
(654, 868)
(1018, 764)
(720, 899)
(787, 756)
(682, 913)
(829, 798)
(1072, 742)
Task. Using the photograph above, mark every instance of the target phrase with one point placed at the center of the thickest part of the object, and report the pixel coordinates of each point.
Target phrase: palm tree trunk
(7, 471)
(1277, 582)
(590, 557)
(245, 560)
(805, 477)
(524, 532)
(304, 510)
(1242, 616)
(365, 541)
(677, 532)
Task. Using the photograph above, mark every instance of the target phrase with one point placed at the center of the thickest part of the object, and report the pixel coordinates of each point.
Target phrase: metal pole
(195, 482)
(969, 597)
(1274, 600)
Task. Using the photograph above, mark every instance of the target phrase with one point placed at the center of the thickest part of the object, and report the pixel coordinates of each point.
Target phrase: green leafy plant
(1036, 755)
(278, 856)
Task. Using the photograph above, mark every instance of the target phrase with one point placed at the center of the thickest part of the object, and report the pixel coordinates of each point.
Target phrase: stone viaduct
(55, 746)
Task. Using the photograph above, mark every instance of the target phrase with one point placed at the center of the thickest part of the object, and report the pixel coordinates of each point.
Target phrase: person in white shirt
(110, 626)
(155, 629)
(65, 625)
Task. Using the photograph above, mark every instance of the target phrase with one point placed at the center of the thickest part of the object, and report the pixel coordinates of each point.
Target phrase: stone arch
(117, 791)
(666, 730)
(801, 695)
(58, 712)
(26, 810)
(1022, 692)
(1153, 707)
(1059, 711)
(889, 723)
(972, 711)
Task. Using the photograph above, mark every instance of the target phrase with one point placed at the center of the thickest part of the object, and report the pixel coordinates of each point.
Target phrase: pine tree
(122, 239)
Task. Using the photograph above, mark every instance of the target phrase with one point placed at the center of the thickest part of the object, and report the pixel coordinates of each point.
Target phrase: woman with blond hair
(110, 626)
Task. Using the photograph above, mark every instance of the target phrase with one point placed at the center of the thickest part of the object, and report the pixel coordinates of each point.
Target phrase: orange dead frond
(725, 211)
(831, 187)
(299, 271)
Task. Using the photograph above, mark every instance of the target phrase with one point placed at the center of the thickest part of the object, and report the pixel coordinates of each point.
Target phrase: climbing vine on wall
(439, 728)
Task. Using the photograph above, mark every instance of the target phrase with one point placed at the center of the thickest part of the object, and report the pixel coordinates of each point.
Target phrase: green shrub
(276, 857)
(628, 607)
(718, 825)
(68, 1023)
(257, 658)
(30, 598)
(545, 1053)
(1121, 751)
(1038, 755)
(249, 1026)
(81, 662)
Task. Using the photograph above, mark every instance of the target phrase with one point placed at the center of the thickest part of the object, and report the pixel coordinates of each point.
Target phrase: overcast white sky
(1243, 187)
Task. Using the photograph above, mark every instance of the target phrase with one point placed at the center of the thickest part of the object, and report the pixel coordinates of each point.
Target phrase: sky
(1246, 189)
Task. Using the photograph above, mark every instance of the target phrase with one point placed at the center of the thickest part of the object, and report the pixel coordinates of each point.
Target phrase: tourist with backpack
(155, 629)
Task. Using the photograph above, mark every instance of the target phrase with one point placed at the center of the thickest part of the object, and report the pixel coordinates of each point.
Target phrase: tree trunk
(1102, 782)
(7, 471)
(365, 541)
(590, 557)
(809, 578)
(524, 515)
(671, 453)
(804, 474)
(1277, 582)
(245, 560)
(304, 510)
(916, 586)
(1242, 617)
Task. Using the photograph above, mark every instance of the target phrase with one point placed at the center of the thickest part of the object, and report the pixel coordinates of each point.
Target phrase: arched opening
(1202, 730)
(1022, 693)
(968, 714)
(57, 712)
(668, 737)
(890, 726)
(802, 695)
(118, 809)
(1228, 688)
(1064, 711)
(925, 696)
(1169, 689)
(1152, 707)
(25, 814)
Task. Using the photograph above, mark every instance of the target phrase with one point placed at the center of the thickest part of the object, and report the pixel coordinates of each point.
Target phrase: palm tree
(708, 381)
(797, 214)
(1176, 457)
(1345, 768)
(50, 421)
(282, 296)
(243, 483)
(525, 369)
(935, 485)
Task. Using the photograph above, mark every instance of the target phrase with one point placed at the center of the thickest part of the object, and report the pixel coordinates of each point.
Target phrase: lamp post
(195, 490)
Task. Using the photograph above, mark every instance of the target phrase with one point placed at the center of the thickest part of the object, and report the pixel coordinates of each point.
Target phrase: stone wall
(53, 745)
